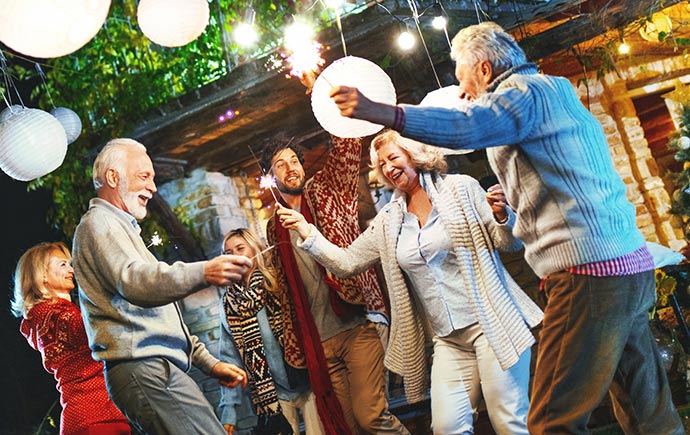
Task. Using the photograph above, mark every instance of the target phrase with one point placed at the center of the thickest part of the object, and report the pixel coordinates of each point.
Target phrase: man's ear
(487, 71)
(112, 178)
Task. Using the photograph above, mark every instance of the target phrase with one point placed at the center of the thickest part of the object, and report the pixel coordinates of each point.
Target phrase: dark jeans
(596, 338)
(159, 398)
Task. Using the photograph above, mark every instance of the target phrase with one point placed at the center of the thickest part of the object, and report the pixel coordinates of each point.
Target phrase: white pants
(304, 404)
(465, 368)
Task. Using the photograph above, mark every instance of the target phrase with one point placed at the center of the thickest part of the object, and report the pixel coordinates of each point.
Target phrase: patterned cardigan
(502, 309)
(331, 195)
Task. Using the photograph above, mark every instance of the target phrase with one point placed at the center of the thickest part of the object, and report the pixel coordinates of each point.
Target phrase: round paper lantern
(172, 23)
(70, 122)
(32, 144)
(448, 98)
(353, 71)
(10, 111)
(50, 28)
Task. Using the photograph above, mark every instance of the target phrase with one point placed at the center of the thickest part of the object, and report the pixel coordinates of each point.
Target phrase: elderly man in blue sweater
(552, 158)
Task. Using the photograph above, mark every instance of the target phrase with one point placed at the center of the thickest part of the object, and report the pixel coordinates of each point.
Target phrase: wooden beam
(616, 14)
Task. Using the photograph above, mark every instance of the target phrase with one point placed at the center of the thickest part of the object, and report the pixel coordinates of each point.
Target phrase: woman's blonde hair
(424, 157)
(30, 274)
(260, 260)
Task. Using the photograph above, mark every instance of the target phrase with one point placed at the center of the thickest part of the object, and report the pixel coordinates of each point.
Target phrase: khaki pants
(355, 364)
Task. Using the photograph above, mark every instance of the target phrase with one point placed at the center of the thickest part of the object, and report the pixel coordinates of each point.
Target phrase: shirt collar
(119, 213)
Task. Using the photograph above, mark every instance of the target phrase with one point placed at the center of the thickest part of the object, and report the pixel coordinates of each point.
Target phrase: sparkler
(156, 240)
(267, 172)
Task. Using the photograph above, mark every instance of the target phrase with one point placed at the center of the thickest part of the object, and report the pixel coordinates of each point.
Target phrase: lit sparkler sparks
(306, 57)
(156, 240)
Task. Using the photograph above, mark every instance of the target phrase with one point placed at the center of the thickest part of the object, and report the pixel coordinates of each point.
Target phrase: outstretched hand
(353, 104)
(293, 220)
(226, 269)
(229, 375)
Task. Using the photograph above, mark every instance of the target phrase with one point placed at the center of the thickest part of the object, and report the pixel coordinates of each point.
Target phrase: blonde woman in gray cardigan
(436, 241)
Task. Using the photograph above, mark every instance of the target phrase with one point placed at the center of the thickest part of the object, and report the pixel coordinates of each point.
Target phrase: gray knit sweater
(502, 309)
(551, 156)
(127, 296)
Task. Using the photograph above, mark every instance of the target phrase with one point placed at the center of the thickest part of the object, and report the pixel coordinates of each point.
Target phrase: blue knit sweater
(551, 156)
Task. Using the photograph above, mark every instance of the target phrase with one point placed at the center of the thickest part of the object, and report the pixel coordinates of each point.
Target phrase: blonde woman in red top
(52, 325)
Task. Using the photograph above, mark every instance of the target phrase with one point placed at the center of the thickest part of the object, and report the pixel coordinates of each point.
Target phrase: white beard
(131, 200)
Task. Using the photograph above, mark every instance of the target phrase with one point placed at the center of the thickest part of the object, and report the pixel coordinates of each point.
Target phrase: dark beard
(288, 190)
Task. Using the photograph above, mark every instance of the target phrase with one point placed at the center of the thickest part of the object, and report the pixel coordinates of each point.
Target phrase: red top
(55, 329)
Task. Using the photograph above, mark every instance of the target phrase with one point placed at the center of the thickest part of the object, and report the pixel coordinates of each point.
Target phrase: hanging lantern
(172, 23)
(352, 71)
(10, 111)
(70, 122)
(32, 144)
(50, 28)
(448, 98)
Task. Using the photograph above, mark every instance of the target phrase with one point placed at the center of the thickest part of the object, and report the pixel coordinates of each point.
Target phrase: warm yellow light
(624, 48)
(405, 40)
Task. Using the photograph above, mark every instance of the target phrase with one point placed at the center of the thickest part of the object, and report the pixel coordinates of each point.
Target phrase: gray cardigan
(502, 309)
(127, 296)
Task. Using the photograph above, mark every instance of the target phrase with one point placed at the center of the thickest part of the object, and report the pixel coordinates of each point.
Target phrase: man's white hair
(113, 156)
(487, 41)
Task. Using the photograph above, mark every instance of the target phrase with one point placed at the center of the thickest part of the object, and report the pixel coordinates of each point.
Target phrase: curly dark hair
(273, 147)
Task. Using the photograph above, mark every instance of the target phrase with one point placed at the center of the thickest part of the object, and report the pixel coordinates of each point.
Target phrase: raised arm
(340, 173)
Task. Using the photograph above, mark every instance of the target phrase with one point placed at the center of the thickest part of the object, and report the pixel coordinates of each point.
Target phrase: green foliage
(680, 143)
(120, 76)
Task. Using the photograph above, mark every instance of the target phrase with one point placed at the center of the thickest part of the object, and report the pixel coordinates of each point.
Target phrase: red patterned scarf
(327, 403)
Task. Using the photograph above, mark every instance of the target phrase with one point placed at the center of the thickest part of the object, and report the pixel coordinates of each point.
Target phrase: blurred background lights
(228, 115)
(245, 35)
(333, 4)
(405, 40)
(439, 22)
(624, 48)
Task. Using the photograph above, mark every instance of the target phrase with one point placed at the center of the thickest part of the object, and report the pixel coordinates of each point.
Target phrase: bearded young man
(326, 325)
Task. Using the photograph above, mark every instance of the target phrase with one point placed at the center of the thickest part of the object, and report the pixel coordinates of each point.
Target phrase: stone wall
(213, 204)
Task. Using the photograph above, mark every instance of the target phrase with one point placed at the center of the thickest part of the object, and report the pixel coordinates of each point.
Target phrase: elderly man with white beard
(128, 303)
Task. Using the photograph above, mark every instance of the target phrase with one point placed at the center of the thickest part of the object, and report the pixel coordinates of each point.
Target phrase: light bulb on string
(439, 22)
(624, 48)
(245, 34)
(406, 40)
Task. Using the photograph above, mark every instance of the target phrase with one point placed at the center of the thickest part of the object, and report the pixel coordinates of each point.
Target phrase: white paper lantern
(10, 111)
(448, 98)
(50, 28)
(32, 144)
(352, 71)
(70, 122)
(172, 23)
